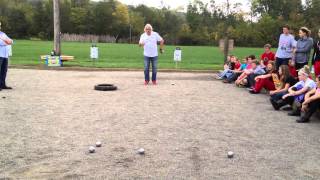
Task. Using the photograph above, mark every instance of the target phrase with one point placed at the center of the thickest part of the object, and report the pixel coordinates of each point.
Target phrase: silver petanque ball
(230, 154)
(92, 149)
(141, 151)
(98, 144)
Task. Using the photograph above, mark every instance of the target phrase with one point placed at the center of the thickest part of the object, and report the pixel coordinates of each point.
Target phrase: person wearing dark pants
(285, 47)
(4, 54)
(297, 92)
(149, 41)
(311, 103)
(316, 56)
(282, 84)
(303, 48)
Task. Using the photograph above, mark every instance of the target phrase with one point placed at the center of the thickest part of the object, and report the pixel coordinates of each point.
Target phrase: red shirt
(237, 65)
(293, 71)
(266, 57)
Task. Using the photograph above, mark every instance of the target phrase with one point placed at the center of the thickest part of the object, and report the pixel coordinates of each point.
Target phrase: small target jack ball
(98, 144)
(92, 149)
(141, 151)
(230, 154)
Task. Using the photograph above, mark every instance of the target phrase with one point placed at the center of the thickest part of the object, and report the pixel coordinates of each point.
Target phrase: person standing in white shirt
(4, 55)
(149, 41)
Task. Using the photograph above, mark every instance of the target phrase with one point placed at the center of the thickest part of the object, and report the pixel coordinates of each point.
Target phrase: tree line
(201, 24)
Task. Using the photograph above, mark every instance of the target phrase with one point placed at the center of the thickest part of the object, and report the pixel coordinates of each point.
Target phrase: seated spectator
(228, 68)
(282, 83)
(310, 104)
(292, 69)
(267, 56)
(254, 71)
(264, 81)
(236, 73)
(296, 93)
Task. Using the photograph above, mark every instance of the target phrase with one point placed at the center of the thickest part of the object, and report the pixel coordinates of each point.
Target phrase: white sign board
(177, 55)
(94, 53)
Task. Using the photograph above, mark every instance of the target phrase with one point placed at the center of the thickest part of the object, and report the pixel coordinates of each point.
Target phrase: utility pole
(226, 35)
(56, 25)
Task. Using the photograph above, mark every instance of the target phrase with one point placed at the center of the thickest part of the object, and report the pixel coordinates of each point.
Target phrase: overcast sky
(173, 4)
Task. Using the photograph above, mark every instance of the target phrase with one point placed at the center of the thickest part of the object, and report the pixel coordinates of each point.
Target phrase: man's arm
(6, 40)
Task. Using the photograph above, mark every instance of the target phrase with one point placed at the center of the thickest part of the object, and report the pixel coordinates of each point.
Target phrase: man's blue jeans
(154, 62)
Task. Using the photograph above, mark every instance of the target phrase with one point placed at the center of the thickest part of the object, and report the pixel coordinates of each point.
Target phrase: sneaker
(253, 91)
(294, 113)
(154, 82)
(302, 120)
(226, 81)
(6, 87)
(274, 104)
(146, 83)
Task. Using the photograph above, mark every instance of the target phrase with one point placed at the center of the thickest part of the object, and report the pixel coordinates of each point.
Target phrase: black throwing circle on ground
(105, 87)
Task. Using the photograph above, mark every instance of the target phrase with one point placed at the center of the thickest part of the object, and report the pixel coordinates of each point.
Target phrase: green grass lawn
(27, 52)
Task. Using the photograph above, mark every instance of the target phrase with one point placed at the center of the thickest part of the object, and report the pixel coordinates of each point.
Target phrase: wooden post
(56, 24)
(226, 48)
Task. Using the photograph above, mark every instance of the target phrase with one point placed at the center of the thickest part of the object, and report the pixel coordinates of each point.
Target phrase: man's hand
(141, 44)
(272, 92)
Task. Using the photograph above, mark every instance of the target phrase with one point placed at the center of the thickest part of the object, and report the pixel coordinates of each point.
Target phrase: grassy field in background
(26, 52)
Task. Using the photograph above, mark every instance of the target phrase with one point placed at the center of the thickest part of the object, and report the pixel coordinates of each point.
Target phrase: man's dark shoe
(274, 104)
(302, 120)
(6, 87)
(294, 113)
(226, 81)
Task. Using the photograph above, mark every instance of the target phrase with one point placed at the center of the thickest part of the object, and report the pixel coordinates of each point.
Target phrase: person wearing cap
(4, 55)
(285, 48)
(149, 41)
(316, 56)
(303, 48)
(297, 92)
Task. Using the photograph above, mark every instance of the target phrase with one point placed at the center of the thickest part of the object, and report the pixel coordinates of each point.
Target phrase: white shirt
(4, 51)
(150, 43)
(309, 83)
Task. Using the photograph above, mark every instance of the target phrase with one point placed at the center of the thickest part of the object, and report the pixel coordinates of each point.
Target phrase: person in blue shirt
(4, 55)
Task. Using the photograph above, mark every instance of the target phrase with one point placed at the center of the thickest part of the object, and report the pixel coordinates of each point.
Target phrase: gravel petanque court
(186, 124)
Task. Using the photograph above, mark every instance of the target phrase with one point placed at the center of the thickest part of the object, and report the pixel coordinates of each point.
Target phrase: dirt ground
(51, 118)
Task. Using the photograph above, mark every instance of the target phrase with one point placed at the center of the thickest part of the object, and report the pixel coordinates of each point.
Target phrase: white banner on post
(94, 53)
(177, 54)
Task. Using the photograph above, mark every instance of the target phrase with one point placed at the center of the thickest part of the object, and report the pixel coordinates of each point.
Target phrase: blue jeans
(225, 73)
(3, 71)
(154, 62)
(276, 97)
